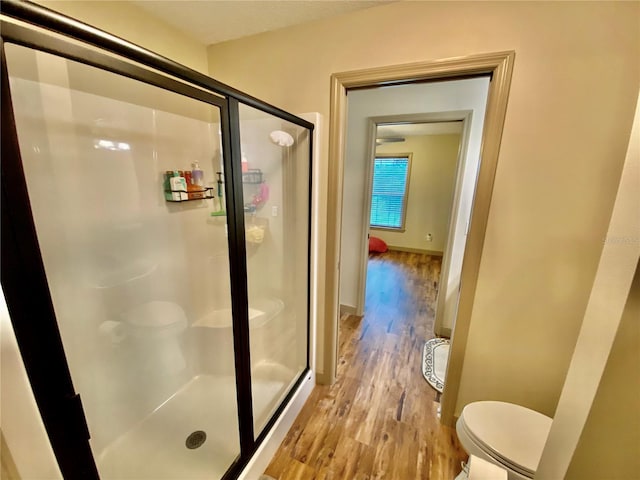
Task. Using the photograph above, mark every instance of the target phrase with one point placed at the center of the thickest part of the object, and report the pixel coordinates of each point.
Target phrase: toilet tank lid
(515, 433)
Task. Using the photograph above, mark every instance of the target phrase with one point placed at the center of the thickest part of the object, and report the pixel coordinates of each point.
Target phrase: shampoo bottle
(197, 175)
(190, 186)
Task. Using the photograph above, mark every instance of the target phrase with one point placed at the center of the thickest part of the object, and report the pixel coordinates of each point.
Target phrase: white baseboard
(260, 460)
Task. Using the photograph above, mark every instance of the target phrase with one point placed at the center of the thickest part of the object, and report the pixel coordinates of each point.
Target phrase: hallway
(378, 421)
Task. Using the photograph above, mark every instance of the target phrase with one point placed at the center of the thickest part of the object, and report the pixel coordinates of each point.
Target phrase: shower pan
(155, 252)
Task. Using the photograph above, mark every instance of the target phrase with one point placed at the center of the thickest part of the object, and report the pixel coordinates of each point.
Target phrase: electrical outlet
(274, 211)
(429, 237)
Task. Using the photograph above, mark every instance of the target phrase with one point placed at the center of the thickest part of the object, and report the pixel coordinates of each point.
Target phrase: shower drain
(195, 439)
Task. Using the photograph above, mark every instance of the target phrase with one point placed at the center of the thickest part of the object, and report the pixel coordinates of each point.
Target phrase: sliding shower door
(275, 175)
(137, 265)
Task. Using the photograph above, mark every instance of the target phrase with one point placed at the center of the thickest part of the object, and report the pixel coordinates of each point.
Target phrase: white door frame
(500, 67)
(431, 117)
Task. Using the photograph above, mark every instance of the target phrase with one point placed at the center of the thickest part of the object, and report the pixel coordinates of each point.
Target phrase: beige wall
(567, 124)
(134, 24)
(602, 378)
(431, 185)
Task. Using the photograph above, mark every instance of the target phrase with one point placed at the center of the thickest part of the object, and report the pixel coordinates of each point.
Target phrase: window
(389, 192)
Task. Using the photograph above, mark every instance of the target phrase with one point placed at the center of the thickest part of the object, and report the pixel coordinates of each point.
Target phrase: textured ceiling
(220, 20)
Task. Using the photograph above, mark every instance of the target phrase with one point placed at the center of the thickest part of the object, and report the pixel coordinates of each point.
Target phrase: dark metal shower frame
(24, 279)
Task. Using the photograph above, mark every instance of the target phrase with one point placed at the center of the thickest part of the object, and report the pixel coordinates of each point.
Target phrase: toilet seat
(512, 435)
(497, 458)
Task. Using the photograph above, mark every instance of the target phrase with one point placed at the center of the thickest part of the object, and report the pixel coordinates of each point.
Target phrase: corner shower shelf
(207, 191)
(253, 176)
(260, 311)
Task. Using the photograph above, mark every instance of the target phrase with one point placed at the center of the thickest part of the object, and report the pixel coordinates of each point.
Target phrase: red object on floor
(377, 245)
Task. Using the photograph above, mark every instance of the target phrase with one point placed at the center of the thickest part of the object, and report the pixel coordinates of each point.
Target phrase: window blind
(389, 191)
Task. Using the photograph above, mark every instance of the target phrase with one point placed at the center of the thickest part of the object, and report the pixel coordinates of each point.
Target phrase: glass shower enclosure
(155, 252)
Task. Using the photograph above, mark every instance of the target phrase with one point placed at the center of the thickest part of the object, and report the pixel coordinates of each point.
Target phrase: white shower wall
(109, 241)
(141, 286)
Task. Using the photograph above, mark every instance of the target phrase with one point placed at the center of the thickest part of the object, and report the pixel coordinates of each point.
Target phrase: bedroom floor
(379, 420)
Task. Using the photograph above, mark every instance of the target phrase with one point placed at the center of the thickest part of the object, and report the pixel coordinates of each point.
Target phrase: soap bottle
(244, 163)
(197, 175)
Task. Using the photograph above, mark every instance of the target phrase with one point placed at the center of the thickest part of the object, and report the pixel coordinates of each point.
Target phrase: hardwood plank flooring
(379, 420)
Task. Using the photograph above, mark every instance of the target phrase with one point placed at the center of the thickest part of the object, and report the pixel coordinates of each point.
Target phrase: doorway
(424, 222)
(499, 66)
(410, 194)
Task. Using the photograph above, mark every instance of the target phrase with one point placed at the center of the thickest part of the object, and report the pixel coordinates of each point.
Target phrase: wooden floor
(378, 421)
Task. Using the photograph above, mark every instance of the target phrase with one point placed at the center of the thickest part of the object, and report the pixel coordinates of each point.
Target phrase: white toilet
(505, 434)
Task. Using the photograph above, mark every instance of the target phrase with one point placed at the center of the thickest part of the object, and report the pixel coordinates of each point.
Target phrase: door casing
(500, 66)
(452, 116)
